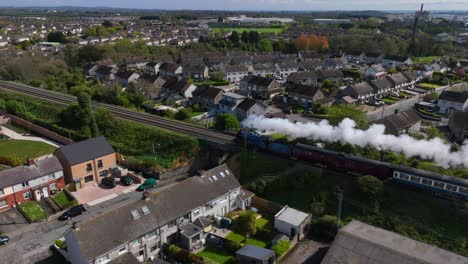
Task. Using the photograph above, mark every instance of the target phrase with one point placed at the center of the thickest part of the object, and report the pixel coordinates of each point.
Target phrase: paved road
(31, 243)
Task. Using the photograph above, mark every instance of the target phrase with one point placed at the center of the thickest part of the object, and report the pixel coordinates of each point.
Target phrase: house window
(196, 212)
(1, 191)
(53, 186)
(27, 195)
(99, 164)
(103, 259)
(172, 223)
(3, 203)
(123, 250)
(25, 184)
(154, 248)
(103, 173)
(88, 178)
(151, 235)
(89, 167)
(135, 243)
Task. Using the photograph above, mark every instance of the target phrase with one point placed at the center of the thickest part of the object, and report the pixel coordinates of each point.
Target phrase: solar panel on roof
(145, 210)
(211, 180)
(227, 172)
(222, 174)
(215, 178)
(135, 214)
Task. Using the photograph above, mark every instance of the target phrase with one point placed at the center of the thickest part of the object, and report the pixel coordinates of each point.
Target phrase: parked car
(108, 182)
(126, 180)
(72, 212)
(4, 240)
(149, 183)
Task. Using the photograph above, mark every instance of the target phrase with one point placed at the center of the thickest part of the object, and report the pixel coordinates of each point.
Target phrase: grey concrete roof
(362, 243)
(291, 216)
(89, 149)
(189, 230)
(255, 252)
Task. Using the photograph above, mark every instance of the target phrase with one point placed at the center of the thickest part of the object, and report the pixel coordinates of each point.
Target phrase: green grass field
(33, 211)
(21, 150)
(217, 255)
(240, 30)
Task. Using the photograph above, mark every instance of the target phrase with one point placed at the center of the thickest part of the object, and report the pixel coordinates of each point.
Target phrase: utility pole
(338, 213)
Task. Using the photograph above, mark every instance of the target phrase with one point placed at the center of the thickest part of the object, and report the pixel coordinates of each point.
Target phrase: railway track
(126, 114)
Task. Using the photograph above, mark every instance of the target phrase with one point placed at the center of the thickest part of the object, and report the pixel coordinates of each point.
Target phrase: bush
(227, 122)
(183, 114)
(324, 227)
(281, 248)
(61, 244)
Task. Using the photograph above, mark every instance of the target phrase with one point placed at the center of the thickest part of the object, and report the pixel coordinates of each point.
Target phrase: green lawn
(33, 211)
(262, 222)
(428, 85)
(218, 255)
(389, 101)
(259, 30)
(18, 151)
(62, 200)
(240, 239)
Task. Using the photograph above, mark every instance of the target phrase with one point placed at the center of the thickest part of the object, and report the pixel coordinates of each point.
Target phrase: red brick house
(34, 182)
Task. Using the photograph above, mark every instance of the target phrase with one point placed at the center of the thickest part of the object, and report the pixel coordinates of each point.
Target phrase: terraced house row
(181, 214)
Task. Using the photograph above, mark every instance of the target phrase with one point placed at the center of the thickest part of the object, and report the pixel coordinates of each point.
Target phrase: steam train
(430, 181)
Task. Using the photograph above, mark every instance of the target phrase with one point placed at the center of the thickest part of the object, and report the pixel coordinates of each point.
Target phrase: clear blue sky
(253, 4)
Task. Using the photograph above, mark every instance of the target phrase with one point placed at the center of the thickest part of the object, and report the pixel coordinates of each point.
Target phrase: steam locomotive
(430, 181)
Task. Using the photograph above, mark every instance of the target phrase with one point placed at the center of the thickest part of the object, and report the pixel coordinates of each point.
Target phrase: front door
(45, 192)
(38, 195)
(293, 232)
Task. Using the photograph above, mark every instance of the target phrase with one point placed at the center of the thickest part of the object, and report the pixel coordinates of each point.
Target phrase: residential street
(31, 243)
(402, 105)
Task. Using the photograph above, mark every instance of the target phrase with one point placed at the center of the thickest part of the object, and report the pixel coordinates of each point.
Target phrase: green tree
(245, 36)
(56, 36)
(245, 224)
(234, 37)
(183, 114)
(14, 107)
(227, 122)
(90, 53)
(107, 23)
(265, 45)
(341, 111)
(217, 76)
(370, 187)
(282, 247)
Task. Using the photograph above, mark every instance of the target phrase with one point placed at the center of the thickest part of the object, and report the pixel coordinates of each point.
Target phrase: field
(18, 151)
(428, 85)
(240, 30)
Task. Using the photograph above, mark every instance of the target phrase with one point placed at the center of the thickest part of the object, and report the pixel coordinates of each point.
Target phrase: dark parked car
(4, 240)
(72, 212)
(126, 180)
(108, 182)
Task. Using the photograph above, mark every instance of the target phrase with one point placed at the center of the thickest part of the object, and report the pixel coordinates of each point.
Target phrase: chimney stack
(75, 225)
(146, 196)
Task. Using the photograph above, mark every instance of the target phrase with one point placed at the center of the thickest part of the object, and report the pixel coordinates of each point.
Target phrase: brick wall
(39, 130)
(265, 206)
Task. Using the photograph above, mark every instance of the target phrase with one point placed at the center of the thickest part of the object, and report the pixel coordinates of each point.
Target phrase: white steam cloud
(346, 132)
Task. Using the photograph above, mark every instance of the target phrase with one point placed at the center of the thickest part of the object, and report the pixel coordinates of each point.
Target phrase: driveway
(12, 219)
(14, 135)
(306, 252)
(95, 194)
